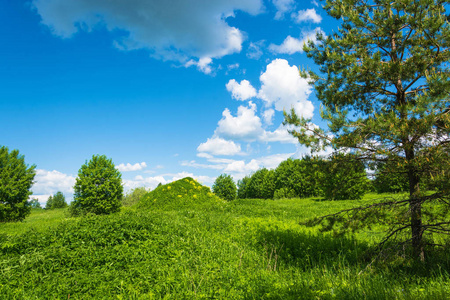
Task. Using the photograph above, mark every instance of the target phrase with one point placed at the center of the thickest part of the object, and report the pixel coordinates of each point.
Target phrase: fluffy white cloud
(282, 86)
(307, 15)
(292, 45)
(129, 167)
(240, 168)
(283, 6)
(219, 146)
(49, 182)
(140, 181)
(241, 91)
(179, 30)
(279, 135)
(245, 126)
(268, 116)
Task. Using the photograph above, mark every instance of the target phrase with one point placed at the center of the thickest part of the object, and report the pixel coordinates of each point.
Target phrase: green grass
(244, 249)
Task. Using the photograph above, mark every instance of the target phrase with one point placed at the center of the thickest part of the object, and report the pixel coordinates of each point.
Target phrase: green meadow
(180, 241)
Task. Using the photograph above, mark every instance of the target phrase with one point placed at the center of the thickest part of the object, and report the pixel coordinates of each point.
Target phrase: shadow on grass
(312, 250)
(306, 250)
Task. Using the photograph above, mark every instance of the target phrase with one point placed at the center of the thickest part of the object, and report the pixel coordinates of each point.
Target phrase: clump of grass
(182, 193)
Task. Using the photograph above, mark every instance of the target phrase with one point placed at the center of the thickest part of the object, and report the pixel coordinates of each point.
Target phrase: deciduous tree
(16, 179)
(98, 187)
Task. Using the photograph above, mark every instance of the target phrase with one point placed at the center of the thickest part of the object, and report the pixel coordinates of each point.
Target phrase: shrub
(284, 193)
(16, 179)
(98, 188)
(56, 201)
(224, 187)
(344, 177)
(133, 196)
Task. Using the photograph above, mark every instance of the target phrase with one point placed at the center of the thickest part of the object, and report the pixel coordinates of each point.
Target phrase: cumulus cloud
(283, 6)
(293, 45)
(129, 167)
(268, 116)
(240, 168)
(171, 30)
(49, 182)
(307, 15)
(245, 126)
(241, 91)
(219, 146)
(282, 86)
(281, 135)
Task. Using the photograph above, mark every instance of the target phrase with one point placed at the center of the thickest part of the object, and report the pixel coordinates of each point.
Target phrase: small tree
(56, 201)
(34, 203)
(98, 188)
(16, 179)
(133, 196)
(224, 187)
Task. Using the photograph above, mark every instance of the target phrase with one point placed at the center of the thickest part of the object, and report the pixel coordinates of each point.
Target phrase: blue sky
(166, 89)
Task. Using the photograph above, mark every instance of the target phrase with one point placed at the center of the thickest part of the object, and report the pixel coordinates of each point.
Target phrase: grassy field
(183, 243)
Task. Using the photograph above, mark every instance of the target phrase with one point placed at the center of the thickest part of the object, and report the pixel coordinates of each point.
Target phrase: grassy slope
(244, 249)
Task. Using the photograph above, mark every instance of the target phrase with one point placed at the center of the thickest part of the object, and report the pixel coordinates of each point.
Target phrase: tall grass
(245, 249)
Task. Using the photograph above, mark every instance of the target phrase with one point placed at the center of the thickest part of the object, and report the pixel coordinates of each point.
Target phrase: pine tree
(384, 87)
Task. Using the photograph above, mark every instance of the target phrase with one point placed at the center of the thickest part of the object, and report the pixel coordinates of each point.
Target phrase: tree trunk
(415, 207)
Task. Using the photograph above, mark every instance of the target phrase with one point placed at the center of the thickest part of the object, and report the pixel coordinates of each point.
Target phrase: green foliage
(56, 201)
(384, 86)
(134, 196)
(242, 186)
(98, 188)
(256, 184)
(224, 187)
(245, 249)
(344, 177)
(16, 179)
(284, 193)
(182, 193)
(389, 178)
(34, 203)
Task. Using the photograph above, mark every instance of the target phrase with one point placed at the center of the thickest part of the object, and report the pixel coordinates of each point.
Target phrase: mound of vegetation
(185, 192)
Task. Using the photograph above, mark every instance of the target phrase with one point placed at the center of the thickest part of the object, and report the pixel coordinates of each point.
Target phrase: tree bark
(415, 207)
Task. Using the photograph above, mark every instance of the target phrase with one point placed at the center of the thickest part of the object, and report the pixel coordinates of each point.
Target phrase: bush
(389, 179)
(98, 188)
(224, 187)
(284, 193)
(56, 201)
(344, 178)
(16, 179)
(133, 196)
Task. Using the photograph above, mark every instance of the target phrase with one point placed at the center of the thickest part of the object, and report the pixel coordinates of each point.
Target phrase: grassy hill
(201, 248)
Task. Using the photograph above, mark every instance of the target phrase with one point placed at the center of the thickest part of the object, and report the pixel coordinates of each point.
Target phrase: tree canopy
(384, 88)
(98, 187)
(16, 179)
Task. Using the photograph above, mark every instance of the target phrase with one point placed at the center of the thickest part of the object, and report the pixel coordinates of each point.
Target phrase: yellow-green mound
(180, 193)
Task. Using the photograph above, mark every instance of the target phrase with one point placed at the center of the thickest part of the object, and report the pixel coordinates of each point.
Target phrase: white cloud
(241, 91)
(279, 135)
(292, 45)
(129, 167)
(268, 116)
(50, 182)
(240, 168)
(172, 30)
(219, 146)
(254, 50)
(282, 86)
(140, 181)
(307, 15)
(283, 6)
(245, 126)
